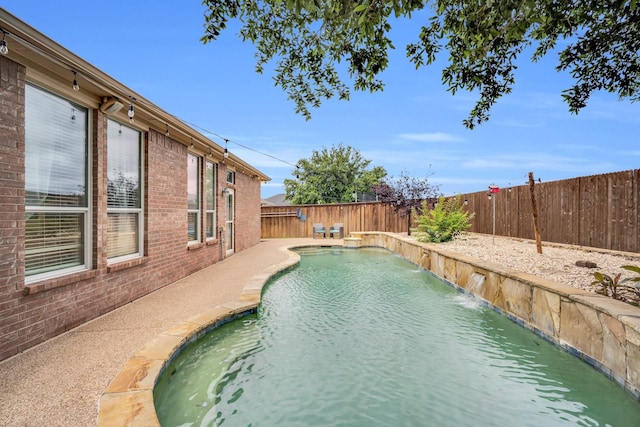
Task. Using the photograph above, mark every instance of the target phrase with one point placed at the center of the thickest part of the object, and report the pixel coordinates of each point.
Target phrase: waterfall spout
(475, 284)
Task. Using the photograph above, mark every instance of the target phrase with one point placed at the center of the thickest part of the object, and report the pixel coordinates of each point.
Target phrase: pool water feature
(362, 338)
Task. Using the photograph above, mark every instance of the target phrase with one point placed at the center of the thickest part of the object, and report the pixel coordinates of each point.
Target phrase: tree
(310, 38)
(406, 193)
(332, 176)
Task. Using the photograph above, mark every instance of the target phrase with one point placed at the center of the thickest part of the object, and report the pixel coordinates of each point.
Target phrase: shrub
(442, 223)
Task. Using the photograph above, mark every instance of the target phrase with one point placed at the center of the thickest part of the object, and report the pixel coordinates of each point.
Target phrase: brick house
(104, 197)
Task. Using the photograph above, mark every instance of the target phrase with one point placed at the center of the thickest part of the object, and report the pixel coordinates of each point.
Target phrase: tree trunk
(536, 227)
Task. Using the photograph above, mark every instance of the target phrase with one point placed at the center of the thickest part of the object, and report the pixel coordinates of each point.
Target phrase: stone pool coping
(128, 399)
(602, 331)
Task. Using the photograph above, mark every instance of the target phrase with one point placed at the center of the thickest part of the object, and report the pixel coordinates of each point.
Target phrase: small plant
(609, 284)
(442, 223)
(619, 289)
(636, 270)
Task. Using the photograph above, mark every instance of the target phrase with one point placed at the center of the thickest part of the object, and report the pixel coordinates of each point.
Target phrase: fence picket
(598, 211)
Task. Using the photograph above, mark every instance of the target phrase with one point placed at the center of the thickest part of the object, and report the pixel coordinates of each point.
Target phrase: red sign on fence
(494, 188)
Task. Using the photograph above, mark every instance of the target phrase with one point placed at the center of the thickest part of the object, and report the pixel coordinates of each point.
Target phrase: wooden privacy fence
(598, 211)
(284, 221)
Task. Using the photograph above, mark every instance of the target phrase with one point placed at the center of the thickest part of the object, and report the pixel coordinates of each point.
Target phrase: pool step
(352, 242)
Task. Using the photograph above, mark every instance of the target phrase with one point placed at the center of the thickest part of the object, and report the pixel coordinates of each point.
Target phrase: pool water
(364, 338)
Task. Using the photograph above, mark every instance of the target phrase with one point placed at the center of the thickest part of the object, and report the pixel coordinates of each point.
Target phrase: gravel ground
(557, 262)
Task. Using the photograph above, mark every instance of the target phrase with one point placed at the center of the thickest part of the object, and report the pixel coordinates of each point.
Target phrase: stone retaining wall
(600, 330)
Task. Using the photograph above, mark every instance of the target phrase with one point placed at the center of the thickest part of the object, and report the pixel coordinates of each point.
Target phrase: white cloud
(409, 159)
(630, 153)
(536, 161)
(430, 137)
(575, 147)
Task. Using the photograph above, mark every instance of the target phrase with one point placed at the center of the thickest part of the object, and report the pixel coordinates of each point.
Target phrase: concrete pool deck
(60, 382)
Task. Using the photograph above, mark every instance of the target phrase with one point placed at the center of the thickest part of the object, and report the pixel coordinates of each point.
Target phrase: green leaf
(483, 41)
(633, 268)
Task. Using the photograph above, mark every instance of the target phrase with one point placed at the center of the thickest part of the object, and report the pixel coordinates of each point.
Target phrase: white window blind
(56, 185)
(124, 195)
(193, 198)
(210, 200)
(53, 241)
(122, 234)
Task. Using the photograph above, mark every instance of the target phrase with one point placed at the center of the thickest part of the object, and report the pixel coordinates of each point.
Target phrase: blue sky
(415, 125)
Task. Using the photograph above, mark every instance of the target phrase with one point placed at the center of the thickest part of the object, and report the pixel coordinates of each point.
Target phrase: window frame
(85, 212)
(231, 177)
(190, 210)
(210, 211)
(141, 190)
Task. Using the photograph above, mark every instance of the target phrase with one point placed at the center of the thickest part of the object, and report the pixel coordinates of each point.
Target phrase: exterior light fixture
(75, 86)
(4, 49)
(226, 151)
(131, 113)
(166, 132)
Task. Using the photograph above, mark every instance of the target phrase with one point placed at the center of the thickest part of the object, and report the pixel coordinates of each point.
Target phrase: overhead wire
(87, 74)
(226, 140)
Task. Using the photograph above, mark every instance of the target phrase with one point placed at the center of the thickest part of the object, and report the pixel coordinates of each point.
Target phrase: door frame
(229, 221)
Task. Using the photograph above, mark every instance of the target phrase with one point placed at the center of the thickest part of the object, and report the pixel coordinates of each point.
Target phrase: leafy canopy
(332, 176)
(405, 192)
(309, 39)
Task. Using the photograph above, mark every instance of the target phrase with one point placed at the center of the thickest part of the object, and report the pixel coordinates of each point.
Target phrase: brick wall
(247, 196)
(12, 321)
(34, 313)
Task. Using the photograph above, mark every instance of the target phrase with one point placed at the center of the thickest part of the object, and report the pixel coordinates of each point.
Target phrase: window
(124, 195)
(231, 177)
(57, 191)
(210, 213)
(193, 198)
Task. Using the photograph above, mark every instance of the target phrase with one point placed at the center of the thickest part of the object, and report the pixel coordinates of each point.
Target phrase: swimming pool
(361, 337)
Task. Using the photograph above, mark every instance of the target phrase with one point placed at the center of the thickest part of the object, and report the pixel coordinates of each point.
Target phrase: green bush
(444, 222)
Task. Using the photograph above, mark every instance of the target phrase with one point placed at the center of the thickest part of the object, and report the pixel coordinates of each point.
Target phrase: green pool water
(364, 338)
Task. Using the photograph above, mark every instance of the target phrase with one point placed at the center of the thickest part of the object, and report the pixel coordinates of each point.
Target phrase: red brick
(66, 302)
